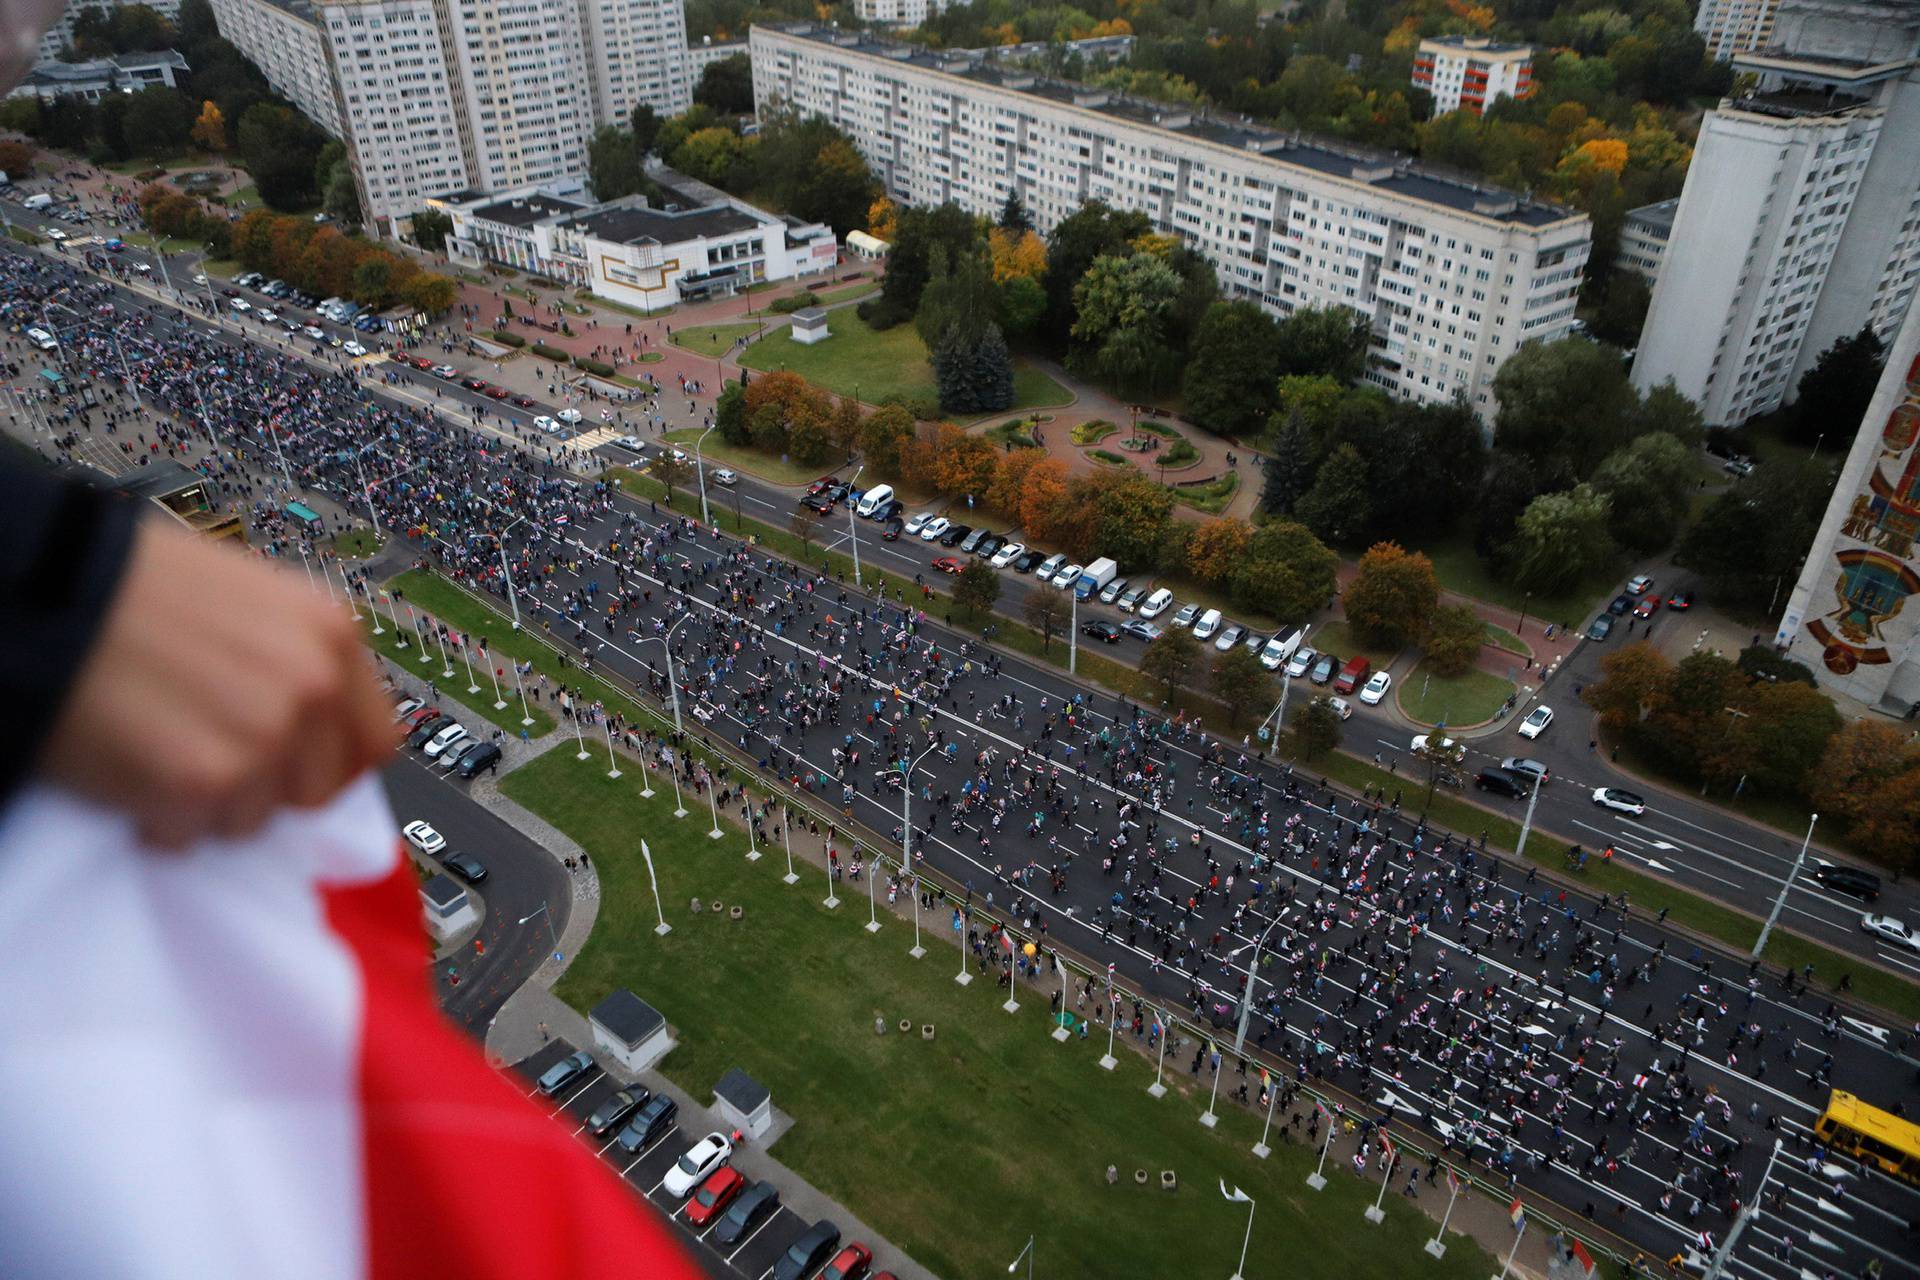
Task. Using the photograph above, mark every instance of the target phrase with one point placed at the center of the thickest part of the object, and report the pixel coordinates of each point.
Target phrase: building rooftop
(524, 211)
(624, 224)
(160, 480)
(742, 1090)
(1476, 44)
(1390, 173)
(627, 1017)
(56, 72)
(443, 891)
(1656, 218)
(1793, 104)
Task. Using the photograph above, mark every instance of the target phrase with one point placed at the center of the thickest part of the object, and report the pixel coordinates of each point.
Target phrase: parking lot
(753, 1257)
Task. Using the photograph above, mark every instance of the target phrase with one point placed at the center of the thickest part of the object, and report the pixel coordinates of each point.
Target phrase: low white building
(630, 253)
(95, 79)
(1472, 72)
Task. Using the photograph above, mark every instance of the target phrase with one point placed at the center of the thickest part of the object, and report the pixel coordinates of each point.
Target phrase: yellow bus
(1877, 1137)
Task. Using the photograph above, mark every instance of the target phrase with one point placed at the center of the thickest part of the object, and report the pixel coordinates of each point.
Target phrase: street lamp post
(1748, 1214)
(960, 929)
(1786, 887)
(873, 910)
(1526, 823)
(700, 474)
(1156, 1089)
(613, 765)
(646, 779)
(753, 852)
(1253, 975)
(713, 809)
(832, 899)
(673, 682)
(1260, 1148)
(673, 771)
(1026, 1253)
(853, 534)
(786, 838)
(663, 928)
(541, 910)
(906, 839)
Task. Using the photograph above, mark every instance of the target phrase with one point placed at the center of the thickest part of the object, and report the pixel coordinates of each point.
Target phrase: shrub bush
(149, 175)
(795, 302)
(546, 352)
(506, 339)
(599, 367)
(1180, 454)
(1093, 432)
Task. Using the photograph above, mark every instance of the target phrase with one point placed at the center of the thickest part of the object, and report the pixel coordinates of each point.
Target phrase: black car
(819, 502)
(809, 1253)
(572, 1069)
(650, 1122)
(1026, 562)
(989, 545)
(1504, 782)
(1620, 606)
(890, 511)
(1848, 880)
(616, 1109)
(892, 532)
(1104, 631)
(1680, 601)
(750, 1208)
(484, 756)
(1601, 628)
(956, 535)
(424, 731)
(466, 866)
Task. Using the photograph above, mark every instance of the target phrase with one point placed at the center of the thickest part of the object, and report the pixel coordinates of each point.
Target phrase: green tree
(1122, 310)
(836, 188)
(1169, 659)
(341, 198)
(730, 414)
(159, 122)
(1022, 302)
(909, 262)
(1563, 539)
(1749, 542)
(1861, 756)
(1832, 396)
(1046, 613)
(727, 86)
(1289, 470)
(1564, 405)
(673, 472)
(645, 124)
(883, 434)
(431, 227)
(1324, 342)
(279, 148)
(1014, 215)
(1453, 640)
(1783, 735)
(1636, 683)
(973, 376)
(1231, 369)
(1286, 572)
(1131, 515)
(1239, 681)
(613, 163)
(977, 588)
(710, 154)
(958, 294)
(1339, 505)
(1889, 821)
(372, 279)
(1316, 728)
(1092, 231)
(1392, 597)
(1666, 410)
(1650, 485)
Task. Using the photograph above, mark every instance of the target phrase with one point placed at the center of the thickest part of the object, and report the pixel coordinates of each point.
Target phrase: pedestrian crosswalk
(591, 440)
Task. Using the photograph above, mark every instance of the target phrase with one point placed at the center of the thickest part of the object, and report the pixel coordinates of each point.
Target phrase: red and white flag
(228, 1062)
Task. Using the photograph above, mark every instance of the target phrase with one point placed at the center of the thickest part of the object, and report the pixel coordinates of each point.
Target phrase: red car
(851, 1263)
(525, 402)
(496, 393)
(714, 1195)
(421, 362)
(399, 357)
(948, 564)
(421, 716)
(822, 485)
(1648, 606)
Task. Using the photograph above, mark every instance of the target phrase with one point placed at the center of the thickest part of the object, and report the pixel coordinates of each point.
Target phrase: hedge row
(546, 352)
(600, 367)
(795, 302)
(506, 339)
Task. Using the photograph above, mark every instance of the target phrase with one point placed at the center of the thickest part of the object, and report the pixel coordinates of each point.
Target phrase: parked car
(851, 1263)
(1680, 601)
(1620, 606)
(450, 757)
(1323, 668)
(988, 547)
(694, 1164)
(1066, 576)
(424, 732)
(1206, 624)
(714, 1195)
(1156, 604)
(616, 1110)
(1376, 688)
(1026, 561)
(407, 707)
(1140, 630)
(1188, 615)
(444, 739)
(1048, 567)
(1648, 606)
(1352, 675)
(1302, 661)
(1105, 632)
(1536, 722)
(423, 837)
(1111, 592)
(1008, 554)
(1230, 635)
(804, 1256)
(570, 1070)
(1341, 707)
(466, 866)
(1619, 801)
(1637, 585)
(933, 528)
(753, 1206)
(484, 756)
(652, 1121)
(972, 540)
(1600, 628)
(1130, 599)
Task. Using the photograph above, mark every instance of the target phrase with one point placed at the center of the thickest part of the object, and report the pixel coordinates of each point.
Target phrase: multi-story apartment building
(96, 78)
(60, 34)
(1800, 219)
(900, 13)
(1733, 27)
(434, 96)
(1453, 277)
(1644, 235)
(706, 53)
(1471, 72)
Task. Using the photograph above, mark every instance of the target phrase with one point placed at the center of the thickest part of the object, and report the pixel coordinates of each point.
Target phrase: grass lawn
(25, 236)
(246, 197)
(1211, 497)
(959, 1148)
(848, 292)
(1337, 637)
(872, 365)
(147, 240)
(743, 458)
(714, 340)
(1502, 638)
(1460, 570)
(357, 544)
(224, 268)
(454, 689)
(1473, 698)
(1109, 457)
(1035, 388)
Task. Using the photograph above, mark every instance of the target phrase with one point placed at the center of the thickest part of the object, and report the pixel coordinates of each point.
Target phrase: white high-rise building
(57, 36)
(1732, 27)
(440, 96)
(1800, 219)
(1452, 277)
(900, 13)
(1472, 72)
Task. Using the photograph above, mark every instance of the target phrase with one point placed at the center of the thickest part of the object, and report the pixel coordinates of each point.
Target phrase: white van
(41, 339)
(39, 200)
(874, 499)
(1281, 647)
(1208, 624)
(1156, 604)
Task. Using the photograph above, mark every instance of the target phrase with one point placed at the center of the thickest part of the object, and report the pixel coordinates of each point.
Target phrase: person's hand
(218, 690)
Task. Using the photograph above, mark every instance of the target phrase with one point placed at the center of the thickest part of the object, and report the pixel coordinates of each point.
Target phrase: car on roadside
(695, 1163)
(1536, 722)
(1007, 554)
(1600, 628)
(931, 530)
(1339, 706)
(1026, 561)
(1230, 635)
(1105, 632)
(806, 1254)
(1620, 606)
(572, 417)
(407, 706)
(1848, 880)
(949, 564)
(653, 1120)
(542, 422)
(1737, 466)
(1648, 606)
(616, 1109)
(1376, 688)
(972, 541)
(1446, 749)
(1890, 929)
(446, 371)
(1323, 668)
(1187, 616)
(525, 402)
(954, 536)
(572, 1069)
(916, 522)
(474, 384)
(1048, 567)
(1130, 599)
(989, 547)
(445, 738)
(450, 754)
(851, 1263)
(1066, 575)
(714, 1195)
(753, 1205)
(1156, 604)
(485, 756)
(1527, 765)
(1619, 801)
(423, 837)
(891, 533)
(426, 730)
(1141, 630)
(1301, 662)
(314, 332)
(400, 357)
(818, 503)
(466, 866)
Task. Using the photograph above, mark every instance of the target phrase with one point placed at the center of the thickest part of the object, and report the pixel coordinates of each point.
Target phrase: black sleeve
(63, 546)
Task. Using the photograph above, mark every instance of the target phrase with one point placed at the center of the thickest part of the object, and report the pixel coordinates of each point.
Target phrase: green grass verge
(454, 689)
(857, 360)
(1041, 1120)
(25, 236)
(848, 292)
(745, 458)
(1501, 638)
(222, 268)
(358, 544)
(246, 197)
(1336, 637)
(1460, 570)
(1035, 388)
(1181, 454)
(713, 340)
(1473, 698)
(1211, 497)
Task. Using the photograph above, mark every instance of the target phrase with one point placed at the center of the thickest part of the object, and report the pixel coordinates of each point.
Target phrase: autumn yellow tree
(210, 130)
(1858, 759)
(883, 219)
(1216, 548)
(1016, 254)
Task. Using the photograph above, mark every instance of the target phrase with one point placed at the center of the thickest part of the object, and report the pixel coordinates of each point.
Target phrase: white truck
(1094, 577)
(39, 200)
